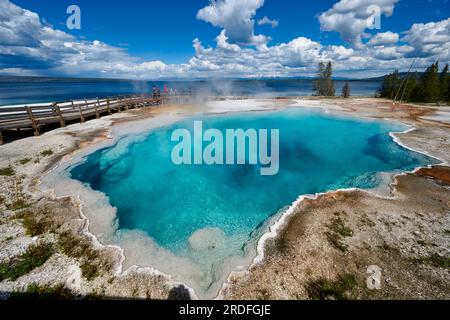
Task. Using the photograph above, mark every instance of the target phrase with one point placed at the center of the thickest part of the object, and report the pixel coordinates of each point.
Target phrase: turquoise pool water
(208, 213)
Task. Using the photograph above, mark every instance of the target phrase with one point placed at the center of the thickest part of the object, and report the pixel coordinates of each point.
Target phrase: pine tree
(445, 83)
(324, 85)
(319, 88)
(390, 86)
(431, 84)
(346, 90)
(330, 91)
(411, 89)
(448, 92)
(431, 87)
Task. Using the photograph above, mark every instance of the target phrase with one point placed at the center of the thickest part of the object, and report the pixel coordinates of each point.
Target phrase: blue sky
(179, 38)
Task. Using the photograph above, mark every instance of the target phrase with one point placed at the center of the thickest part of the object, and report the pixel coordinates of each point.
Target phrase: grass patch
(324, 289)
(33, 258)
(89, 270)
(338, 231)
(37, 292)
(389, 249)
(338, 226)
(75, 247)
(336, 241)
(35, 226)
(435, 260)
(24, 161)
(18, 204)
(7, 172)
(422, 243)
(47, 153)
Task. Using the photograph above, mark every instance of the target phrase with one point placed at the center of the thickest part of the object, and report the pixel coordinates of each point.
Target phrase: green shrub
(4, 271)
(33, 258)
(73, 246)
(90, 270)
(435, 260)
(338, 231)
(336, 241)
(37, 292)
(18, 204)
(78, 248)
(25, 161)
(35, 226)
(338, 226)
(8, 171)
(323, 289)
(47, 153)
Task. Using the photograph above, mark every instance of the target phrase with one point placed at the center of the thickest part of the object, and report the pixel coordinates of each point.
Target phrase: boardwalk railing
(35, 116)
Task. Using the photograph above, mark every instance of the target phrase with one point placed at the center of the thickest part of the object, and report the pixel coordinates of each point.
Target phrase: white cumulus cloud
(265, 20)
(430, 39)
(236, 17)
(350, 17)
(29, 46)
(384, 38)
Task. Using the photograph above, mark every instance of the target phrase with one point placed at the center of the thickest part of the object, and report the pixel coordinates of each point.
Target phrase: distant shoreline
(45, 90)
(6, 78)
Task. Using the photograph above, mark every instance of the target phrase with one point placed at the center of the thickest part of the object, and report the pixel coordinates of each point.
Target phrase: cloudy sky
(221, 38)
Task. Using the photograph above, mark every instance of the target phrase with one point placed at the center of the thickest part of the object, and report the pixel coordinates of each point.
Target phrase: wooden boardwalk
(35, 116)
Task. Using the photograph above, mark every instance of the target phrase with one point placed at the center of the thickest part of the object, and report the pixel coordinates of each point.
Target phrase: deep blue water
(22, 92)
(170, 203)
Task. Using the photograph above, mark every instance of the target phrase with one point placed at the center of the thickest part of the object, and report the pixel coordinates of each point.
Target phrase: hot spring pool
(210, 215)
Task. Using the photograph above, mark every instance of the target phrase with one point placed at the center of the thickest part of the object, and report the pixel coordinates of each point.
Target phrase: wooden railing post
(96, 105)
(108, 106)
(81, 112)
(33, 121)
(119, 104)
(62, 122)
